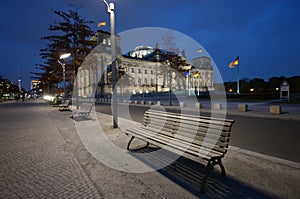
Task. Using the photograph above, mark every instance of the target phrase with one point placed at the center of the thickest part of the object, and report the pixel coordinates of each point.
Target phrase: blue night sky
(264, 33)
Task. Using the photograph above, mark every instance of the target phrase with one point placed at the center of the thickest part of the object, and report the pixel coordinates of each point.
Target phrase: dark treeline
(258, 85)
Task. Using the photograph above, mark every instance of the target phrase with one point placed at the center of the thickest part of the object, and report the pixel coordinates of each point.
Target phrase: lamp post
(157, 59)
(111, 11)
(170, 82)
(62, 57)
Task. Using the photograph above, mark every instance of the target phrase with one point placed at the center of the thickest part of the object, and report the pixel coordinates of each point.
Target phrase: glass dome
(141, 51)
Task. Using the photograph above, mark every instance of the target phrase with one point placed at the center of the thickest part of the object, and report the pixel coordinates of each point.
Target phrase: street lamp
(62, 57)
(110, 10)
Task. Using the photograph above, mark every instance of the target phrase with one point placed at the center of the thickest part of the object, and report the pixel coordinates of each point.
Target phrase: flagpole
(189, 83)
(238, 78)
(198, 85)
(232, 64)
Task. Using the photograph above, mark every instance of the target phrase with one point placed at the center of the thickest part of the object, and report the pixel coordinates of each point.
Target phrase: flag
(196, 74)
(234, 62)
(103, 23)
(186, 73)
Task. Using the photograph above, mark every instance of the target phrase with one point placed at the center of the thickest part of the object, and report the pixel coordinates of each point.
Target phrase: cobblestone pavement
(33, 161)
(42, 156)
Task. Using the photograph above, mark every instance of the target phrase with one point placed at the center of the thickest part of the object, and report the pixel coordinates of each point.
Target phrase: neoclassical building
(142, 70)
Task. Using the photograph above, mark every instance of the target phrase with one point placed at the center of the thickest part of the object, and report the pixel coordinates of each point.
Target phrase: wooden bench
(64, 106)
(202, 137)
(84, 109)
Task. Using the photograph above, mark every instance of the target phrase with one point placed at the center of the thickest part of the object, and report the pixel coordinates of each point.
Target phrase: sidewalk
(43, 156)
(34, 162)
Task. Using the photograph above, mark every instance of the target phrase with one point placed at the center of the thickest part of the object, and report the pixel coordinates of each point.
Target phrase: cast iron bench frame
(204, 137)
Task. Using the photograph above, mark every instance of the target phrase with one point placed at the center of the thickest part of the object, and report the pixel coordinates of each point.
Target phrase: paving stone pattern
(33, 162)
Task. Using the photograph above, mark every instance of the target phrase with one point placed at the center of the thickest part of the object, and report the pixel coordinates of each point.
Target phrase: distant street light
(62, 57)
(110, 10)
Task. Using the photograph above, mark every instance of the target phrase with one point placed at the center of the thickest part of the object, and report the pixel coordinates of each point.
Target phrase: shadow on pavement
(188, 174)
(81, 118)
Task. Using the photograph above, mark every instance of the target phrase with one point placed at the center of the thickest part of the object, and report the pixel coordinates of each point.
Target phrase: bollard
(198, 105)
(150, 103)
(275, 109)
(181, 104)
(158, 103)
(242, 107)
(136, 102)
(217, 106)
(142, 102)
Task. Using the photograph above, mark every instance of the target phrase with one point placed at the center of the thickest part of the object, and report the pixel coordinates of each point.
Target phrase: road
(274, 137)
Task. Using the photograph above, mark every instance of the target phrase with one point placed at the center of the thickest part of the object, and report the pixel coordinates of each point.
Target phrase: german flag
(234, 62)
(103, 23)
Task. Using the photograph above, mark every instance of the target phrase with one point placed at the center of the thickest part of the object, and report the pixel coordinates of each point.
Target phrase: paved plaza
(34, 160)
(42, 156)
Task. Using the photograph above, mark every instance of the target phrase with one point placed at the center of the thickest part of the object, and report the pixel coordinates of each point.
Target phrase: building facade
(142, 70)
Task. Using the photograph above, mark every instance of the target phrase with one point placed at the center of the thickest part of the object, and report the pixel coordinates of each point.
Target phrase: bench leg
(222, 167)
(209, 166)
(131, 141)
(211, 163)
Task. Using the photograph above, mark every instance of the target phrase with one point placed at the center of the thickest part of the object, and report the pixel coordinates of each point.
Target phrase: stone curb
(289, 163)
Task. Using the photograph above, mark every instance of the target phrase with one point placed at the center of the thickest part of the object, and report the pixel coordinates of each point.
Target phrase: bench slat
(159, 123)
(195, 139)
(213, 144)
(162, 140)
(183, 126)
(191, 120)
(152, 112)
(187, 121)
(224, 122)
